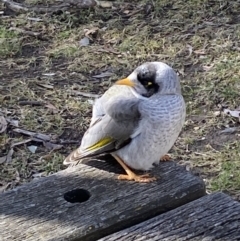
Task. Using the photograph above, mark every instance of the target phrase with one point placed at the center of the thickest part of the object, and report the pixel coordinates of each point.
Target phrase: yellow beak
(125, 81)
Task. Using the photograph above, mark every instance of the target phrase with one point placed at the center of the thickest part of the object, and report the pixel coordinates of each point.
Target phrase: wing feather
(109, 132)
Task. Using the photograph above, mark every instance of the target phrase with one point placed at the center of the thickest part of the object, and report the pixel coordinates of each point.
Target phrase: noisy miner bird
(137, 125)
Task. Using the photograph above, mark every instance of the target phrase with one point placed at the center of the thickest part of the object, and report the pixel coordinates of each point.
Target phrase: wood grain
(212, 217)
(38, 210)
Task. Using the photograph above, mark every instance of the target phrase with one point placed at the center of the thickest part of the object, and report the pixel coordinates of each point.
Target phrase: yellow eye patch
(149, 83)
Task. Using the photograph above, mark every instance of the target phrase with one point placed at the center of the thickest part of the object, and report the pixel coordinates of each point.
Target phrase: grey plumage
(140, 123)
(105, 121)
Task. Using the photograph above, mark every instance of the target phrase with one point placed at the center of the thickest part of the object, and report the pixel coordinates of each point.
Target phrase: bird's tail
(79, 155)
(73, 157)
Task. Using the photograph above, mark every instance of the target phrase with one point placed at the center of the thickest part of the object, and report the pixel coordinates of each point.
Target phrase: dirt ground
(53, 65)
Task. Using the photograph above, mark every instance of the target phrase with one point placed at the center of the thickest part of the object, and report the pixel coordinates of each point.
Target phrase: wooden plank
(212, 217)
(38, 210)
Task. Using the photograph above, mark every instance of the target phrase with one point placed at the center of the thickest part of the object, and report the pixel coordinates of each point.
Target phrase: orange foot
(131, 176)
(137, 178)
(165, 158)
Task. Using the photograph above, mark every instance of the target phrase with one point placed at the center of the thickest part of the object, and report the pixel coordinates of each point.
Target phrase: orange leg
(131, 176)
(165, 158)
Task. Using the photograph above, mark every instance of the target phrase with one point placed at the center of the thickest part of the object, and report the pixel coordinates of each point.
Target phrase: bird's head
(151, 78)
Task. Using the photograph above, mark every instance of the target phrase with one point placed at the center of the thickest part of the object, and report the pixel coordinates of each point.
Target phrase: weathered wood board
(212, 217)
(38, 210)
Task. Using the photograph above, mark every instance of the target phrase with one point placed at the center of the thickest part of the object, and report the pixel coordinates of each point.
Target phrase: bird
(137, 120)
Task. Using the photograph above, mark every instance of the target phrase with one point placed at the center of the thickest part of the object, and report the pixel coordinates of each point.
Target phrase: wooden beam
(39, 211)
(212, 217)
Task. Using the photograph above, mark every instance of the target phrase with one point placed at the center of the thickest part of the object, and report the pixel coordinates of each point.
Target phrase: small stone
(84, 42)
(217, 113)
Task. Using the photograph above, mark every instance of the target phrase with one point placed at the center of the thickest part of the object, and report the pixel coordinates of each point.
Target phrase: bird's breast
(159, 128)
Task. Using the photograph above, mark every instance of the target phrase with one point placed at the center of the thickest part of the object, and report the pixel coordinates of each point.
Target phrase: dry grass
(200, 39)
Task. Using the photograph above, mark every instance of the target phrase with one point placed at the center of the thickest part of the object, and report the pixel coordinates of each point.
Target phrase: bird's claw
(165, 158)
(146, 178)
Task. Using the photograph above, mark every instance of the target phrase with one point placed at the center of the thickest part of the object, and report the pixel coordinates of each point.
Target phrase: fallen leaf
(190, 49)
(52, 146)
(45, 86)
(5, 187)
(109, 50)
(208, 67)
(91, 102)
(46, 157)
(103, 75)
(3, 124)
(49, 74)
(9, 156)
(52, 107)
(84, 94)
(38, 175)
(199, 51)
(37, 140)
(3, 159)
(30, 102)
(148, 8)
(20, 143)
(104, 4)
(17, 178)
(217, 113)
(12, 122)
(6, 112)
(229, 130)
(33, 134)
(35, 19)
(91, 33)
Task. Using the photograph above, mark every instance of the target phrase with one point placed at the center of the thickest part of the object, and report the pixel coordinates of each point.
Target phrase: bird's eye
(146, 79)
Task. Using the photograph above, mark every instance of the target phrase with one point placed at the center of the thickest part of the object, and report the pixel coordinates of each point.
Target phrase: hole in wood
(77, 196)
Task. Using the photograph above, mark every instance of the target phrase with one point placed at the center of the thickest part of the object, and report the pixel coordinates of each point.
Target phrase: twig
(84, 94)
(35, 19)
(134, 12)
(16, 7)
(29, 102)
(33, 134)
(68, 142)
(20, 143)
(38, 137)
(108, 51)
(20, 30)
(3, 124)
(64, 6)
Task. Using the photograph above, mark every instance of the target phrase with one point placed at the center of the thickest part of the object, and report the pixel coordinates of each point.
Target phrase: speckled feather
(161, 122)
(153, 124)
(103, 125)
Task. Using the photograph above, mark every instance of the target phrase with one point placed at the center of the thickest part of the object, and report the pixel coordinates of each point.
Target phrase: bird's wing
(99, 110)
(110, 132)
(123, 109)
